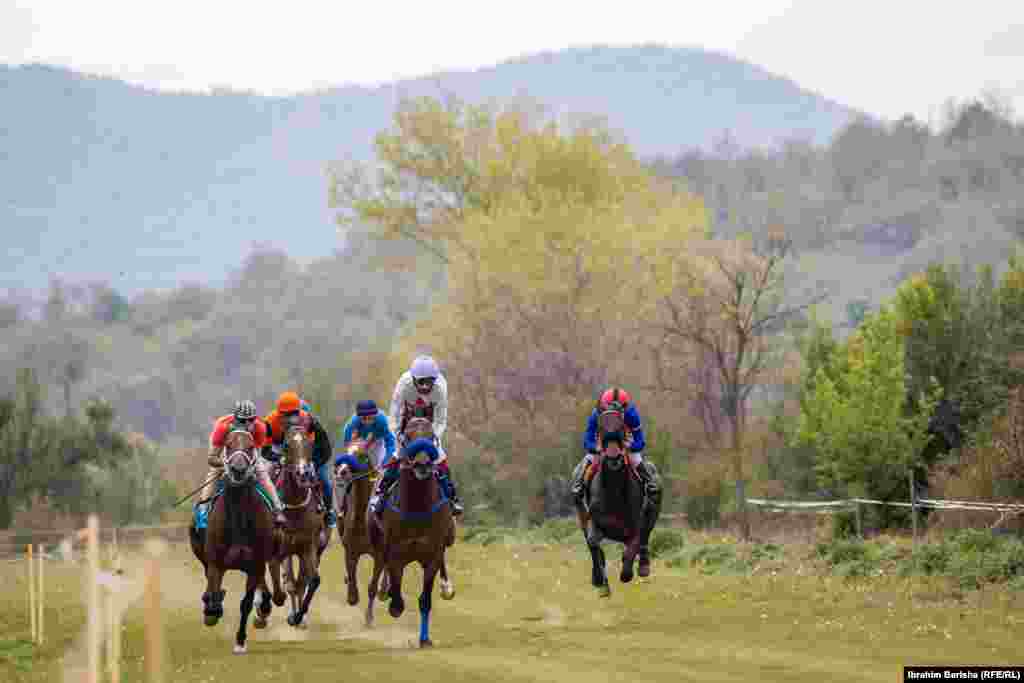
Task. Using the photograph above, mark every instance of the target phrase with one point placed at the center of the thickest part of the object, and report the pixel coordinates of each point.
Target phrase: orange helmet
(288, 402)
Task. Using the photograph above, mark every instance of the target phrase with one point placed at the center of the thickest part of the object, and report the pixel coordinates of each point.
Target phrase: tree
(727, 301)
(857, 416)
(22, 436)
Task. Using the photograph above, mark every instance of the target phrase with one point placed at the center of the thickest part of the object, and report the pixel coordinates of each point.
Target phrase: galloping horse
(239, 536)
(358, 475)
(305, 536)
(416, 526)
(617, 511)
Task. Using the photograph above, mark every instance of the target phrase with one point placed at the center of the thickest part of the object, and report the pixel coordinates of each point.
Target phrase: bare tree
(727, 306)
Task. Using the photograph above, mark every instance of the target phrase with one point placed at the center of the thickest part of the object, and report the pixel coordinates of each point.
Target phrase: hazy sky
(887, 58)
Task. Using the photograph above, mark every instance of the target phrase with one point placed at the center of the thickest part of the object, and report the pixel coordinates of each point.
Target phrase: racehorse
(617, 510)
(239, 536)
(416, 526)
(305, 537)
(357, 474)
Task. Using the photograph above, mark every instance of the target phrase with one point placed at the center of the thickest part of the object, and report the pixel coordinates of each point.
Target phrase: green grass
(713, 610)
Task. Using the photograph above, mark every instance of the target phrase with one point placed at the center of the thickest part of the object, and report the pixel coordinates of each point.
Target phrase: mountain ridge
(107, 180)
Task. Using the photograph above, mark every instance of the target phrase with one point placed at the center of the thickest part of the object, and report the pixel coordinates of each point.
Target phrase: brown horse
(305, 536)
(358, 476)
(239, 536)
(416, 526)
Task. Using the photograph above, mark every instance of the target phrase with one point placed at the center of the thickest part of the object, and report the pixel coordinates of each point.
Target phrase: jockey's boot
(389, 479)
(578, 489)
(652, 486)
(445, 478)
(275, 500)
(327, 492)
(202, 515)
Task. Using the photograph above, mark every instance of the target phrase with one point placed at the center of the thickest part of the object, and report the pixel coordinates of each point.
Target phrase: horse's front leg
(371, 593)
(651, 514)
(429, 572)
(447, 587)
(599, 577)
(252, 581)
(351, 574)
(213, 598)
(311, 579)
(263, 604)
(397, 604)
(274, 567)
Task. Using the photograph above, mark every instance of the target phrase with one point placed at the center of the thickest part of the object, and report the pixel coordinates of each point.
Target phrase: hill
(109, 181)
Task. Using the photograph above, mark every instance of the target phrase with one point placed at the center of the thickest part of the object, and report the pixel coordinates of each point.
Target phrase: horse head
(297, 461)
(239, 460)
(419, 459)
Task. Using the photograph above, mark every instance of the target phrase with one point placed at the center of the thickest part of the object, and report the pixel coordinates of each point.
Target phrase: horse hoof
(447, 590)
(259, 623)
(396, 610)
(644, 569)
(626, 576)
(239, 649)
(604, 591)
(293, 619)
(210, 619)
(353, 597)
(427, 643)
(279, 599)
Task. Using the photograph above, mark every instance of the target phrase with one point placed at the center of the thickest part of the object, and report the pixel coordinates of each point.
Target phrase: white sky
(887, 58)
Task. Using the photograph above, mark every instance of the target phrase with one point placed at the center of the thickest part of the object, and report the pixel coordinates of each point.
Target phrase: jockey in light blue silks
(367, 423)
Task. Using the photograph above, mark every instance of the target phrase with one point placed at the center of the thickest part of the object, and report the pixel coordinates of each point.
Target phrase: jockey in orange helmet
(289, 411)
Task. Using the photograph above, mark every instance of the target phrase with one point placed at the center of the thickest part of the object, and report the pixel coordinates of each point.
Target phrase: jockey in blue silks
(367, 423)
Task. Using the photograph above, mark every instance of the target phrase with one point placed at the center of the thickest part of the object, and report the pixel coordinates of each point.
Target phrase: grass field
(526, 612)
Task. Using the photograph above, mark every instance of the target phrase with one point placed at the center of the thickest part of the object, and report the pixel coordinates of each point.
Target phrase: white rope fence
(829, 507)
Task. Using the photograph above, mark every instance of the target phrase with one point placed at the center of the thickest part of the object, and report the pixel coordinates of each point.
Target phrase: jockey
(421, 391)
(617, 419)
(289, 411)
(244, 417)
(367, 423)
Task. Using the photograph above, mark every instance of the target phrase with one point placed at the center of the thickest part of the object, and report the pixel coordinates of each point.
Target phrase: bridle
(239, 463)
(300, 472)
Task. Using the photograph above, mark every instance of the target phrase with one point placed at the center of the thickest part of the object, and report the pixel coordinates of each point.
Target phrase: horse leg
(397, 604)
(371, 596)
(291, 584)
(629, 552)
(429, 572)
(213, 598)
(311, 570)
(447, 587)
(351, 572)
(252, 581)
(275, 579)
(650, 519)
(263, 604)
(598, 577)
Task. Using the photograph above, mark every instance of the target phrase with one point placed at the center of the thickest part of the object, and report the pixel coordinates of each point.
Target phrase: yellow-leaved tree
(548, 236)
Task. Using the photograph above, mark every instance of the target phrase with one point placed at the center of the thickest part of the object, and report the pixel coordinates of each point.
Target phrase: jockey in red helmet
(615, 418)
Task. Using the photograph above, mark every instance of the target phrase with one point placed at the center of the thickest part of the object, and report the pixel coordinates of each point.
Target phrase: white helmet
(424, 373)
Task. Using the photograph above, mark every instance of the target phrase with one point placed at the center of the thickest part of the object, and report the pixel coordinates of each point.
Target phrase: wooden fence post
(32, 594)
(913, 505)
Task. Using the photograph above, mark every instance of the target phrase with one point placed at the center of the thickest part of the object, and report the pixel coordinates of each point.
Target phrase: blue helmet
(366, 408)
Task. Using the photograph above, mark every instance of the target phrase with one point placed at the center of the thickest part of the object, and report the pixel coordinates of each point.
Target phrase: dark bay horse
(305, 536)
(617, 510)
(415, 526)
(239, 536)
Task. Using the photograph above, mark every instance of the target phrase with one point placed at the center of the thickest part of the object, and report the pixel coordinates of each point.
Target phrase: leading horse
(305, 537)
(239, 536)
(416, 526)
(617, 510)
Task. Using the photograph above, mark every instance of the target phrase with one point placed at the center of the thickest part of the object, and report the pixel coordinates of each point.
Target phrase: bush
(665, 542)
(841, 551)
(844, 524)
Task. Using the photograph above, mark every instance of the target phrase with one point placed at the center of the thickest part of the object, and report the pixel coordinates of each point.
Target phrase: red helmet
(615, 399)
